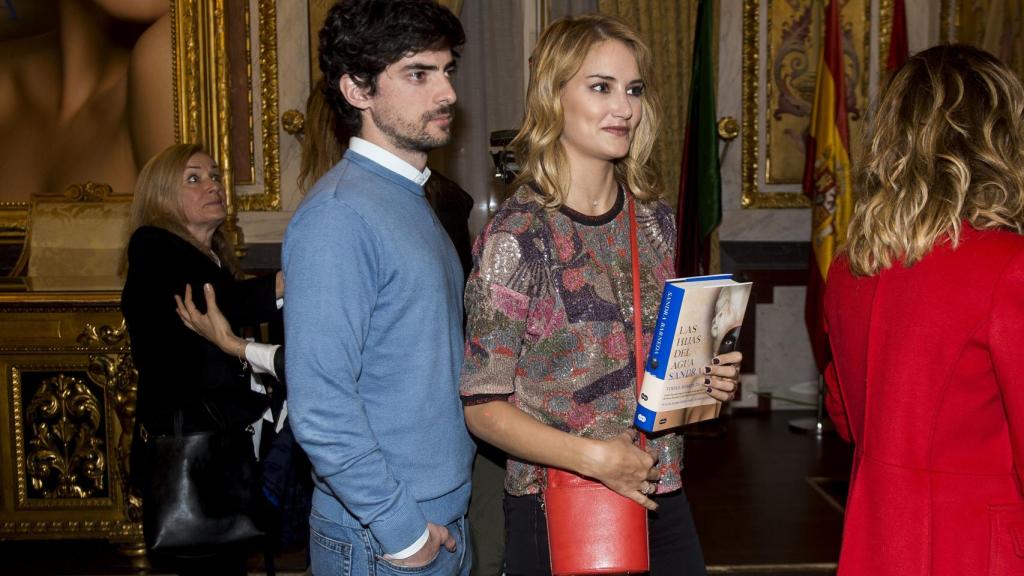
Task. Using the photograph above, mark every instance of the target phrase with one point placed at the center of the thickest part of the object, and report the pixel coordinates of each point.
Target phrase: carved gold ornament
(103, 334)
(65, 456)
(88, 192)
(293, 122)
(728, 128)
(117, 375)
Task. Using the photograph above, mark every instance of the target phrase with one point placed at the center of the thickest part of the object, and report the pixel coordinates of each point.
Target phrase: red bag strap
(638, 331)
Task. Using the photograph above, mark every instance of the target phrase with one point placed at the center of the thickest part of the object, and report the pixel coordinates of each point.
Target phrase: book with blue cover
(699, 318)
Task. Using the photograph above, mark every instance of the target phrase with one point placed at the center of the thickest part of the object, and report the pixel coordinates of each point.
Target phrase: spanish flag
(827, 175)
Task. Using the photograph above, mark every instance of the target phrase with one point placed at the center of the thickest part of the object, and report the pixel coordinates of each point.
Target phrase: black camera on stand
(505, 166)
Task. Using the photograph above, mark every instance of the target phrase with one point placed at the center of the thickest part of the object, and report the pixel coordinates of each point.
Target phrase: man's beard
(408, 136)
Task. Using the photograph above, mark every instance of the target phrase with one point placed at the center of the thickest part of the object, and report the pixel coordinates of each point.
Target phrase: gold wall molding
(113, 529)
(885, 11)
(751, 61)
(13, 217)
(72, 302)
(270, 198)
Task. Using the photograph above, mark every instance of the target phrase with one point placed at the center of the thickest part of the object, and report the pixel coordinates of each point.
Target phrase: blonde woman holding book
(549, 373)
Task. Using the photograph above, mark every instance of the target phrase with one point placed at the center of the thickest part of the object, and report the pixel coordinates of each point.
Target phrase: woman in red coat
(925, 312)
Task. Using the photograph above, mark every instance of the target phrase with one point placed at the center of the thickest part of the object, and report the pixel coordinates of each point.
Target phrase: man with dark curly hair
(373, 317)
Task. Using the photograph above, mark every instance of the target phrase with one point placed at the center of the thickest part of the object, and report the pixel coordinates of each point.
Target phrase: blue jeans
(336, 550)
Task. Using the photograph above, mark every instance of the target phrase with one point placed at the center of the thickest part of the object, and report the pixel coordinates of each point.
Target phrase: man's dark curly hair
(363, 37)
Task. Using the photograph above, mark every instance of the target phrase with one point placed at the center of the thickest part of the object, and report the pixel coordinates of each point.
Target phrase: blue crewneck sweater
(373, 324)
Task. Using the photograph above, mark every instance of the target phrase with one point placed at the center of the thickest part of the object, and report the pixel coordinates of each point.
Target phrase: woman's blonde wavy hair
(157, 202)
(948, 147)
(558, 56)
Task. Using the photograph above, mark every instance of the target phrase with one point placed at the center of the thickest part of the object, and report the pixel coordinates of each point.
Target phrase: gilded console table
(68, 400)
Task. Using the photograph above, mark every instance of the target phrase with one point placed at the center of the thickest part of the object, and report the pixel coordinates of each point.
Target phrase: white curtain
(490, 88)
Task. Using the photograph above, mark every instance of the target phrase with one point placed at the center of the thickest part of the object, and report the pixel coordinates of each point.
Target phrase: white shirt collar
(388, 160)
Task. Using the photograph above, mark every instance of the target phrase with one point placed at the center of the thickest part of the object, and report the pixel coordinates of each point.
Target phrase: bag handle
(638, 331)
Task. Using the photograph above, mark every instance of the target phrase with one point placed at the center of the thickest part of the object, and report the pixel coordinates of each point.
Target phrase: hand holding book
(722, 376)
(693, 364)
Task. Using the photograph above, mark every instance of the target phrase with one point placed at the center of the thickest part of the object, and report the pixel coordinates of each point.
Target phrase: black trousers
(674, 546)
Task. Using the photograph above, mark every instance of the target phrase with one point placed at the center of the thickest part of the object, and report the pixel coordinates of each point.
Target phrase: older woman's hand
(213, 325)
(722, 376)
(625, 468)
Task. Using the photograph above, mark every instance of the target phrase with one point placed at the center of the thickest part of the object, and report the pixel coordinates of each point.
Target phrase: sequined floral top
(550, 321)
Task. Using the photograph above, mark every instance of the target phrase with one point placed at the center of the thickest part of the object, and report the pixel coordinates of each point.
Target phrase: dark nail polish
(708, 389)
(707, 369)
(716, 361)
(707, 380)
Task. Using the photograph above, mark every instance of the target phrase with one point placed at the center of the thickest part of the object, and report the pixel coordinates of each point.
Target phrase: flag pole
(817, 424)
(828, 183)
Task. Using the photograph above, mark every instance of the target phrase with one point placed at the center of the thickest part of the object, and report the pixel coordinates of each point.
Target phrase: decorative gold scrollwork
(66, 455)
(88, 192)
(105, 334)
(116, 373)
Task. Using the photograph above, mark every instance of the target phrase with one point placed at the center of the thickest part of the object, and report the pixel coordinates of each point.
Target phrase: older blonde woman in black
(177, 241)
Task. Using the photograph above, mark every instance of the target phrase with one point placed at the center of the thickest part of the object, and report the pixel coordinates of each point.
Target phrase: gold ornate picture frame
(203, 69)
(781, 41)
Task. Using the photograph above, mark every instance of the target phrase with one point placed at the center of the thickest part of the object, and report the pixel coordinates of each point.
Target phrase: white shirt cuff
(414, 548)
(261, 357)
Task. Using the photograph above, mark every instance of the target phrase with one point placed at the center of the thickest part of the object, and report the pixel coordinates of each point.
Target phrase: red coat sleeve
(833, 393)
(834, 402)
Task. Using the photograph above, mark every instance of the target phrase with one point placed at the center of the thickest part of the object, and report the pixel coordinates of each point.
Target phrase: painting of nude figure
(86, 93)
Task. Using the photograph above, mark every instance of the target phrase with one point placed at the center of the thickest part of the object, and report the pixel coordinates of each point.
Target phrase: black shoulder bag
(199, 489)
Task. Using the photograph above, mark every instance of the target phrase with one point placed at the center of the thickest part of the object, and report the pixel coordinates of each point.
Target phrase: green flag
(700, 182)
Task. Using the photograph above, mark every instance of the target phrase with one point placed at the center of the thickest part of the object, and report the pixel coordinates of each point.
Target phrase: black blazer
(177, 367)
